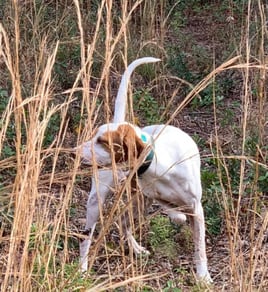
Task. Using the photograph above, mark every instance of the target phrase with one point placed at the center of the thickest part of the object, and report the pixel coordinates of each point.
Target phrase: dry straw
(31, 259)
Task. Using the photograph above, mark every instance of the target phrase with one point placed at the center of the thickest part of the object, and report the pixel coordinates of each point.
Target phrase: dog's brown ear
(124, 142)
(132, 144)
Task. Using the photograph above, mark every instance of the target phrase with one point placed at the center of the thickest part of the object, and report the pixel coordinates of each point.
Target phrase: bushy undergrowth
(60, 66)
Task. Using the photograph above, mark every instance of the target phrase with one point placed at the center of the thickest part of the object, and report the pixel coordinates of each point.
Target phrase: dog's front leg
(102, 185)
(84, 247)
(200, 257)
(92, 218)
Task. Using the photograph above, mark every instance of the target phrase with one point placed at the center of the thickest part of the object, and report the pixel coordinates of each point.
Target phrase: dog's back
(175, 168)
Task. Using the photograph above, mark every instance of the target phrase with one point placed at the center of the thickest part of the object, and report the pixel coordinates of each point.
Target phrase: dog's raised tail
(121, 98)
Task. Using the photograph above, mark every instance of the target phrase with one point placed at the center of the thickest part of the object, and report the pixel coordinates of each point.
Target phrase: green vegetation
(147, 107)
(60, 66)
(161, 236)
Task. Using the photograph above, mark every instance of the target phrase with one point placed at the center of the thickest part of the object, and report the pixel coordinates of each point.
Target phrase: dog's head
(119, 142)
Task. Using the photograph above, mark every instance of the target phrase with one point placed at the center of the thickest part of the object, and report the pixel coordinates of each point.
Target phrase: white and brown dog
(167, 164)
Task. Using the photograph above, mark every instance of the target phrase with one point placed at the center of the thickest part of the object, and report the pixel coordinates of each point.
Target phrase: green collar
(147, 162)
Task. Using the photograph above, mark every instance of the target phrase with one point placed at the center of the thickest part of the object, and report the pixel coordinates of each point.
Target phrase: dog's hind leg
(198, 225)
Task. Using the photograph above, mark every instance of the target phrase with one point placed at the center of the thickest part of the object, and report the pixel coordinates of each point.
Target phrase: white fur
(121, 98)
(172, 180)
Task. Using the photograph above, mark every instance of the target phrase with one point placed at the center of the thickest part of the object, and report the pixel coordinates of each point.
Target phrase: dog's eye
(100, 140)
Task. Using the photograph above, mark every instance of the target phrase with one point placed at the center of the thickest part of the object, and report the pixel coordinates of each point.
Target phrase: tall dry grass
(38, 190)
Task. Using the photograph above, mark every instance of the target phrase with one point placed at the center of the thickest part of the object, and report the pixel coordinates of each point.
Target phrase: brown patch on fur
(123, 143)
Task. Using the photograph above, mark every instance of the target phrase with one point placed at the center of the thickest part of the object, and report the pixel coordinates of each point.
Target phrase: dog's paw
(206, 279)
(141, 251)
(137, 248)
(177, 217)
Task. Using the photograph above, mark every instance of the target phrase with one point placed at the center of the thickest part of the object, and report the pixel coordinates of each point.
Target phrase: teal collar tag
(143, 138)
